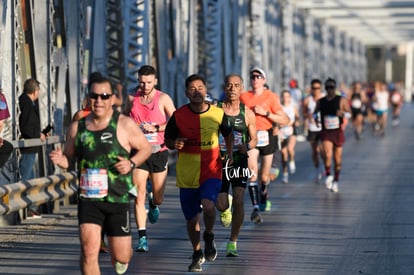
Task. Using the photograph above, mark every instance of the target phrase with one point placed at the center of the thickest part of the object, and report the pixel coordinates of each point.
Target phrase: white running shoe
(318, 176)
(285, 178)
(335, 187)
(328, 182)
(292, 167)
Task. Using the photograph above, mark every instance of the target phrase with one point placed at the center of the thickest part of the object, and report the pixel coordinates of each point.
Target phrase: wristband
(157, 128)
(267, 114)
(248, 147)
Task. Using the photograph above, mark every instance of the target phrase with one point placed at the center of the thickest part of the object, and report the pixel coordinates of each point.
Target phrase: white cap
(259, 70)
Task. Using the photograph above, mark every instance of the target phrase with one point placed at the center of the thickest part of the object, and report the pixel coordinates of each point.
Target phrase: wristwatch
(267, 114)
(133, 165)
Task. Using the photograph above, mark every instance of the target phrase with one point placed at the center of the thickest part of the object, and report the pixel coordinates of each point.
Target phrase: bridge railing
(23, 194)
(51, 185)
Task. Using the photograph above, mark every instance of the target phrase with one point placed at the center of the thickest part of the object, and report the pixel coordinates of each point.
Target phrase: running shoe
(292, 167)
(33, 214)
(226, 216)
(318, 176)
(328, 182)
(268, 206)
(153, 214)
(285, 178)
(120, 268)
(198, 260)
(104, 248)
(210, 250)
(142, 245)
(231, 250)
(335, 188)
(395, 122)
(274, 173)
(256, 217)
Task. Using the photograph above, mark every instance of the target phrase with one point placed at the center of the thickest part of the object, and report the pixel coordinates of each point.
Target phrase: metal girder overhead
(382, 22)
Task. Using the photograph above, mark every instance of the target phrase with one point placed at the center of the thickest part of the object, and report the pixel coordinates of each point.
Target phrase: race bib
(93, 183)
(238, 140)
(262, 138)
(286, 132)
(395, 98)
(356, 103)
(331, 122)
(151, 137)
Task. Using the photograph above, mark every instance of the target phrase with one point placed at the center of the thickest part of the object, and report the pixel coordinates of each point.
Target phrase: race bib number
(151, 137)
(395, 98)
(238, 140)
(356, 103)
(94, 183)
(331, 122)
(262, 138)
(286, 132)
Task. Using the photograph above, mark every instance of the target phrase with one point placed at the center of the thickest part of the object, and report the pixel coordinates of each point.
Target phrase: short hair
(92, 76)
(99, 79)
(147, 70)
(226, 79)
(30, 86)
(330, 80)
(316, 80)
(194, 77)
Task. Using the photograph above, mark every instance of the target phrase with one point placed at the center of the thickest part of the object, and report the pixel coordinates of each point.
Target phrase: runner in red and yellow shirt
(194, 130)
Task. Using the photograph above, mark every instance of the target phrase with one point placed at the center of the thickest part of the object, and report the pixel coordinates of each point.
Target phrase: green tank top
(240, 130)
(99, 150)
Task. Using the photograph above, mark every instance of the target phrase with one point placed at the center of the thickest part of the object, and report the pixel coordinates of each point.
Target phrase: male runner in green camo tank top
(101, 144)
(243, 122)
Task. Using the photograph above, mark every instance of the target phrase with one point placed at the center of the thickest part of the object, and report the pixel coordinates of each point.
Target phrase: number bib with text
(331, 122)
(94, 183)
(262, 138)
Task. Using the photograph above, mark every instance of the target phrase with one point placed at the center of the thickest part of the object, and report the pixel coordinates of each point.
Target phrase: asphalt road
(366, 228)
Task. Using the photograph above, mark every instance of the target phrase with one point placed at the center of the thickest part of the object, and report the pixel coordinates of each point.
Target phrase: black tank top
(329, 108)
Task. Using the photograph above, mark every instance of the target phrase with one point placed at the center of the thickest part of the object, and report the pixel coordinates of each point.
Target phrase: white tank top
(311, 122)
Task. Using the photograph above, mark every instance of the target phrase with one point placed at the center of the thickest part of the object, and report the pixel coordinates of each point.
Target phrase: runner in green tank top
(243, 122)
(101, 144)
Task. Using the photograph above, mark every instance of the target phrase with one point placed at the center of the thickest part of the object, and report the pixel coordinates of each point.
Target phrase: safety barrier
(20, 195)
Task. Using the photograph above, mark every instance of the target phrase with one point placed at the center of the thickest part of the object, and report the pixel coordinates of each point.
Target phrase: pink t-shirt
(4, 110)
(149, 113)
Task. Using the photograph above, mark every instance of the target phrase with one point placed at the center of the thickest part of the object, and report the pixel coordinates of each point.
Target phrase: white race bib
(262, 138)
(238, 140)
(356, 103)
(395, 98)
(331, 122)
(94, 183)
(286, 132)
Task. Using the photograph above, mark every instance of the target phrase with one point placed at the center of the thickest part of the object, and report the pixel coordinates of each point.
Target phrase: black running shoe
(210, 250)
(198, 260)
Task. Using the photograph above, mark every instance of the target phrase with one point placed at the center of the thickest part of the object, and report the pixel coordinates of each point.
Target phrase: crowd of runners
(246, 140)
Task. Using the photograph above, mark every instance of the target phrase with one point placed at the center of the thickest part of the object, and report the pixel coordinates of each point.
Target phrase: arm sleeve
(171, 130)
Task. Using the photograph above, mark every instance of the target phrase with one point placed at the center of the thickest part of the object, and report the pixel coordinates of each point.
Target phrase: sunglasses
(329, 87)
(256, 76)
(316, 88)
(103, 96)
